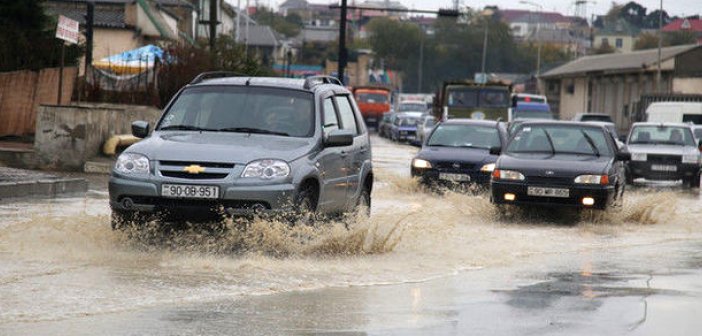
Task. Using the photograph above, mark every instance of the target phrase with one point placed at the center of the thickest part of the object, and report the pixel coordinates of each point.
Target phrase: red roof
(677, 25)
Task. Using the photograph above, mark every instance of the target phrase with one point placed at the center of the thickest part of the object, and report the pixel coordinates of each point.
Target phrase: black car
(664, 151)
(560, 163)
(458, 151)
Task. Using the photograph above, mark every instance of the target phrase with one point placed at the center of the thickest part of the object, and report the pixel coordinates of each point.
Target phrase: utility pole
(421, 63)
(660, 44)
(213, 23)
(89, 19)
(238, 21)
(343, 57)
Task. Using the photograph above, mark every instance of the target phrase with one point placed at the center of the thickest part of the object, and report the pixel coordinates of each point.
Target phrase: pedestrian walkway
(25, 183)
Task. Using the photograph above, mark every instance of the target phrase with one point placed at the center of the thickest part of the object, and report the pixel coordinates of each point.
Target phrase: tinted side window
(348, 118)
(331, 122)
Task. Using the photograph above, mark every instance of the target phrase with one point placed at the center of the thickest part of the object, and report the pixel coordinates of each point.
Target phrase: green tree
(289, 26)
(646, 41)
(27, 38)
(680, 38)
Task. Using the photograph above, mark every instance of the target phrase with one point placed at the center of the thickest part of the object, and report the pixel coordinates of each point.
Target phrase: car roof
(599, 114)
(672, 124)
(270, 82)
(590, 124)
(466, 121)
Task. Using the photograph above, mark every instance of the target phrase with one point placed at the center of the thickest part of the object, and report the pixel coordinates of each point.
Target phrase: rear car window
(220, 108)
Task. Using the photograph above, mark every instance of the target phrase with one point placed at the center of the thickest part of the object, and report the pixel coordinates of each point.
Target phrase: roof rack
(214, 74)
(316, 80)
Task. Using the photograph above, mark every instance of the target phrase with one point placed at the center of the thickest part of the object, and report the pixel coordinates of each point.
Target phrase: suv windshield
(478, 97)
(242, 109)
(560, 139)
(465, 136)
(661, 135)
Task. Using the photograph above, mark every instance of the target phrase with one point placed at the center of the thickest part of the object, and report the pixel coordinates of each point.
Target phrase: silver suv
(231, 145)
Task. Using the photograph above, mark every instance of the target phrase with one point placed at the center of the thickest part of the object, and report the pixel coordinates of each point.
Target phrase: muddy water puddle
(60, 259)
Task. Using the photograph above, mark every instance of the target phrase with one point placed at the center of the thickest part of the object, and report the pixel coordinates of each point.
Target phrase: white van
(675, 112)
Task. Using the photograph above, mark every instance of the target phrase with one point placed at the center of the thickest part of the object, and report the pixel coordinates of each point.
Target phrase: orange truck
(373, 101)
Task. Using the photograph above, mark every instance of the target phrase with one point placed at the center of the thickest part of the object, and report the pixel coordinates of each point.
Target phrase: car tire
(692, 183)
(363, 206)
(306, 206)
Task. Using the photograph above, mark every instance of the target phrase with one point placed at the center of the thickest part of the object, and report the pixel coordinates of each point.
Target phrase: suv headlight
(639, 157)
(267, 169)
(132, 163)
(690, 158)
(421, 164)
(592, 179)
(510, 175)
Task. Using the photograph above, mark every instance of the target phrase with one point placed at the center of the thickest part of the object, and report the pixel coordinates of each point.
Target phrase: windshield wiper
(591, 143)
(184, 128)
(252, 130)
(550, 142)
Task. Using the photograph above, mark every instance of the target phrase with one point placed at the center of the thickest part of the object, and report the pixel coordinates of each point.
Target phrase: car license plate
(189, 191)
(664, 168)
(548, 192)
(454, 177)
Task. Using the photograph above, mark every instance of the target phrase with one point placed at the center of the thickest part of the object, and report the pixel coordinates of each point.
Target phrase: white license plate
(664, 168)
(548, 192)
(454, 177)
(189, 191)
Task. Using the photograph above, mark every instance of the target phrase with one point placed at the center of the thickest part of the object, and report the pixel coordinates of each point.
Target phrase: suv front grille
(454, 166)
(211, 170)
(662, 158)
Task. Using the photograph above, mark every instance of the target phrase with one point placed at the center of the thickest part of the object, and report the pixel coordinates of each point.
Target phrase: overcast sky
(673, 7)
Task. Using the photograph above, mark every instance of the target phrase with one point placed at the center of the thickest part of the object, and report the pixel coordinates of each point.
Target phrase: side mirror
(140, 129)
(338, 138)
(622, 138)
(495, 150)
(623, 156)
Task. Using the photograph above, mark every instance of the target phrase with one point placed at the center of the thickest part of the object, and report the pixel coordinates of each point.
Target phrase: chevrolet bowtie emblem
(194, 169)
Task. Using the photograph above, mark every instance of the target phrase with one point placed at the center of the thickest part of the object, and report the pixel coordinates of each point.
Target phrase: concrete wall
(67, 136)
(573, 98)
(687, 85)
(114, 41)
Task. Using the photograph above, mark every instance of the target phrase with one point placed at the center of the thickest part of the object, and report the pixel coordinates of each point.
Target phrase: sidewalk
(23, 183)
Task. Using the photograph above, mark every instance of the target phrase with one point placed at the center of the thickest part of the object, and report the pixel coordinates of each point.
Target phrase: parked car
(557, 163)
(593, 117)
(424, 127)
(404, 126)
(385, 124)
(664, 151)
(247, 146)
(697, 129)
(458, 151)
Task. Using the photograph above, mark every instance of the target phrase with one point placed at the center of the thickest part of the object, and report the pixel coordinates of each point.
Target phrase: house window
(619, 43)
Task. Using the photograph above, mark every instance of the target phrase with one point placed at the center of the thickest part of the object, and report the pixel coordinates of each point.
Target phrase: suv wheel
(629, 177)
(306, 205)
(364, 202)
(693, 182)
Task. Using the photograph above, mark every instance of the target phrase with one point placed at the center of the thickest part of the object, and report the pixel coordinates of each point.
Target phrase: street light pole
(485, 42)
(343, 57)
(538, 41)
(660, 44)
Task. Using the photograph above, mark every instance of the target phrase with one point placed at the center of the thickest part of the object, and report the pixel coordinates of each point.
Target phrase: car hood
(238, 148)
(468, 155)
(562, 165)
(662, 149)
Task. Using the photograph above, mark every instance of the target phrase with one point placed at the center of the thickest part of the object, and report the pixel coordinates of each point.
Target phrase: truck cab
(373, 101)
(467, 99)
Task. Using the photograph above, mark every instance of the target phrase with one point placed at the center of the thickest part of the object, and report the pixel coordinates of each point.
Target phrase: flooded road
(422, 264)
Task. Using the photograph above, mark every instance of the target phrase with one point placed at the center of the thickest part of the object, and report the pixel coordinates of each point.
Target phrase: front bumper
(644, 169)
(603, 195)
(237, 200)
(431, 177)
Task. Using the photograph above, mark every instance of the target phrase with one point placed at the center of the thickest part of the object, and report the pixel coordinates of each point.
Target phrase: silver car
(247, 146)
(664, 151)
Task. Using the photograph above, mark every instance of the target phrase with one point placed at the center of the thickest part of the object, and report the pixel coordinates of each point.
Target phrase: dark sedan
(458, 151)
(560, 164)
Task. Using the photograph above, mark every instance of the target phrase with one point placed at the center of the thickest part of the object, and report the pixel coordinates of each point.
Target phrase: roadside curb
(16, 183)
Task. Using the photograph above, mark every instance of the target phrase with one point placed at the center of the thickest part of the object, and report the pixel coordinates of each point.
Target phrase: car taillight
(496, 174)
(604, 180)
